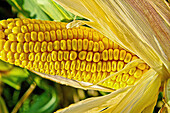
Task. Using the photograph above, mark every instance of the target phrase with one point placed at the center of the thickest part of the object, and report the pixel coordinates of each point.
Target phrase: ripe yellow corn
(76, 53)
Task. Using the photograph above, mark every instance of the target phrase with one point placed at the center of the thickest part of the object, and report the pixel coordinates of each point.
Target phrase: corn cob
(79, 53)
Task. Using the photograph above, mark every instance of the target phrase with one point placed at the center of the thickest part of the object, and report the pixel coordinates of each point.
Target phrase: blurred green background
(25, 92)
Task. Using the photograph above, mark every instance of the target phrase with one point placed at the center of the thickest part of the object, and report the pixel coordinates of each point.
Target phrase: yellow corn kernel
(57, 65)
(83, 66)
(104, 66)
(52, 26)
(42, 27)
(89, 56)
(37, 56)
(80, 34)
(93, 67)
(4, 23)
(47, 36)
(25, 21)
(53, 35)
(99, 75)
(64, 34)
(74, 31)
(73, 65)
(114, 65)
(105, 55)
(16, 56)
(23, 56)
(120, 65)
(11, 25)
(30, 27)
(59, 36)
(90, 45)
(99, 66)
(138, 73)
(52, 72)
(60, 55)
(36, 27)
(88, 67)
(105, 43)
(73, 55)
(82, 55)
(37, 47)
(54, 56)
(63, 45)
(44, 56)
(2, 42)
(56, 45)
(30, 64)
(40, 36)
(34, 36)
(70, 34)
(134, 58)
(132, 70)
(141, 66)
(46, 66)
(31, 56)
(27, 37)
(131, 80)
(109, 64)
(57, 26)
(78, 63)
(80, 44)
(67, 65)
(20, 37)
(24, 63)
(41, 65)
(110, 52)
(7, 45)
(51, 66)
(47, 26)
(116, 85)
(86, 34)
(90, 36)
(49, 59)
(7, 32)
(10, 55)
(96, 47)
(17, 62)
(128, 58)
(101, 46)
(74, 44)
(16, 30)
(88, 76)
(125, 77)
(66, 55)
(123, 85)
(50, 47)
(119, 78)
(96, 57)
(122, 54)
(95, 37)
(12, 37)
(69, 45)
(85, 44)
(115, 46)
(116, 54)
(24, 29)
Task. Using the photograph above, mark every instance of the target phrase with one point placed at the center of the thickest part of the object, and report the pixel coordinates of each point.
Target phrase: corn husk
(142, 27)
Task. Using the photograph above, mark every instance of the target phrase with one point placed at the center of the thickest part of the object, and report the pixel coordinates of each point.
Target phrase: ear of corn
(80, 53)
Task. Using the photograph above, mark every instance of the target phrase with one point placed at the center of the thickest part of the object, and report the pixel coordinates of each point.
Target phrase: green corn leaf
(14, 77)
